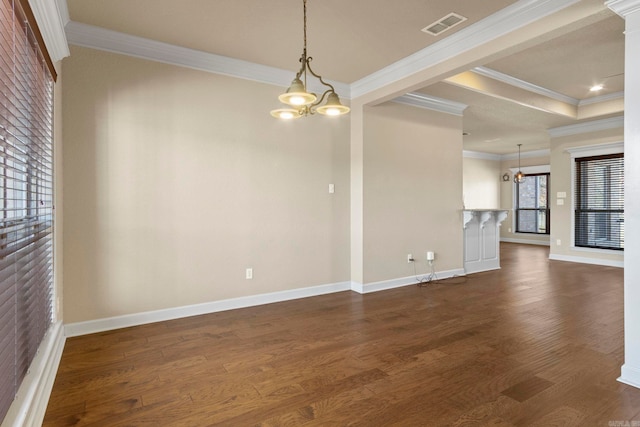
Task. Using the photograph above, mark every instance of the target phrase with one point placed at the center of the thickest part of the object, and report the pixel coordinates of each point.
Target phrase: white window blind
(599, 209)
(26, 196)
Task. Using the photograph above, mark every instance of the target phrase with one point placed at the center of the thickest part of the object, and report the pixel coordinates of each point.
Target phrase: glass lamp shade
(297, 95)
(333, 107)
(286, 113)
(518, 178)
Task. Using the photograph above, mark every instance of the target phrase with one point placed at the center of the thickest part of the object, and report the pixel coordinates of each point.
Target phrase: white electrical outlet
(248, 273)
(558, 242)
(431, 256)
(409, 258)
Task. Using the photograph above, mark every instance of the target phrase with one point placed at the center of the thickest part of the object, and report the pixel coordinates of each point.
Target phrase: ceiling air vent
(443, 24)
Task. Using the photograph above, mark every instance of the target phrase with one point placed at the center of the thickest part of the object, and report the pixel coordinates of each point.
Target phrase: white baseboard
(403, 281)
(125, 321)
(128, 320)
(630, 376)
(585, 260)
(480, 266)
(525, 241)
(30, 404)
(357, 287)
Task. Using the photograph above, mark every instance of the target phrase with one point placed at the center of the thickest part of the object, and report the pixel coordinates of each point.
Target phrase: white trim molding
(384, 285)
(586, 260)
(93, 37)
(63, 11)
(526, 241)
(596, 150)
(516, 82)
(587, 127)
(630, 375)
(601, 98)
(527, 154)
(532, 169)
(480, 155)
(135, 319)
(623, 7)
(503, 22)
(431, 103)
(30, 404)
(51, 25)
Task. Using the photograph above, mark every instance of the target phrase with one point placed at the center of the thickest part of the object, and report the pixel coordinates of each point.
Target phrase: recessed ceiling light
(596, 88)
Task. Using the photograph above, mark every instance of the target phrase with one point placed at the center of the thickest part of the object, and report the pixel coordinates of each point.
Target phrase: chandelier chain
(305, 26)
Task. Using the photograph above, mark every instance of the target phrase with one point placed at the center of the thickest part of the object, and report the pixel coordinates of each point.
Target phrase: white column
(357, 196)
(630, 11)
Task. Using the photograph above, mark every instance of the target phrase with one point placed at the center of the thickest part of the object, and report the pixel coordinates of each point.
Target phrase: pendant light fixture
(519, 177)
(298, 101)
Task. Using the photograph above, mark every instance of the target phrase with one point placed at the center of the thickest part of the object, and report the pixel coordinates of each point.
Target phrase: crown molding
(513, 81)
(90, 36)
(527, 154)
(596, 149)
(528, 170)
(431, 103)
(623, 7)
(499, 24)
(601, 98)
(51, 25)
(63, 10)
(587, 127)
(480, 155)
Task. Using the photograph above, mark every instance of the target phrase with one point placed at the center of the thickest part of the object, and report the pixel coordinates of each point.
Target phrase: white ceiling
(350, 39)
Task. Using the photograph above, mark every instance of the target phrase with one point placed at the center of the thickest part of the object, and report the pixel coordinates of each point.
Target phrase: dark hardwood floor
(537, 343)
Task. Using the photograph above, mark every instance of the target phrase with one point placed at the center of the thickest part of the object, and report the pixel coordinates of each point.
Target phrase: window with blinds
(599, 202)
(26, 196)
(532, 207)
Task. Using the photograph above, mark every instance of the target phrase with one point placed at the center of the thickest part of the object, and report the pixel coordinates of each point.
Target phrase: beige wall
(412, 190)
(177, 180)
(481, 180)
(506, 200)
(561, 217)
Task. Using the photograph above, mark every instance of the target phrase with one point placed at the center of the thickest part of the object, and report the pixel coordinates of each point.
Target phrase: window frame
(589, 151)
(527, 170)
(610, 197)
(547, 209)
(27, 286)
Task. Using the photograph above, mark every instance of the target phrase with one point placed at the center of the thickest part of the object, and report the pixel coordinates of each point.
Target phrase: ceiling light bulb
(296, 100)
(296, 94)
(285, 113)
(596, 88)
(333, 107)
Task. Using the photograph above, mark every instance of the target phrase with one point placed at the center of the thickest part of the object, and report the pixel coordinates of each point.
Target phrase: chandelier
(302, 103)
(519, 177)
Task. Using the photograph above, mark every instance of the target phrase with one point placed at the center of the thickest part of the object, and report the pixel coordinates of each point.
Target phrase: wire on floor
(432, 278)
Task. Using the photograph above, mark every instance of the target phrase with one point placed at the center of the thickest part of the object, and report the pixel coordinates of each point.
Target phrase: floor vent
(443, 24)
